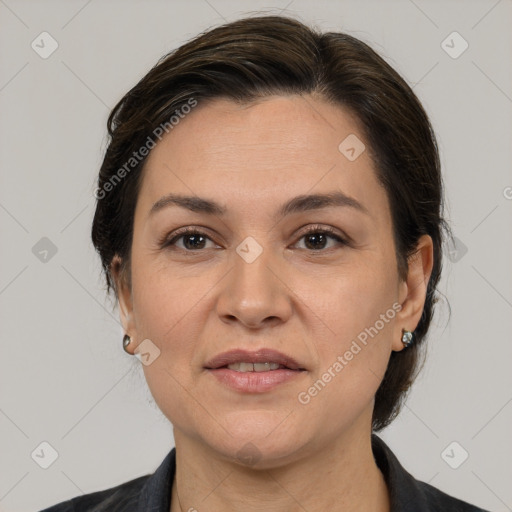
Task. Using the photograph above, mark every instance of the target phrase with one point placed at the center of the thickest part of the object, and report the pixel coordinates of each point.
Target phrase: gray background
(64, 378)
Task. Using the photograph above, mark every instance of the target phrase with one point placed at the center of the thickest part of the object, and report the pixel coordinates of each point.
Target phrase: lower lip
(254, 382)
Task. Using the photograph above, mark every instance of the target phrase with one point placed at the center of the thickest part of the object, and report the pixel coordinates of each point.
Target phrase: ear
(413, 291)
(124, 296)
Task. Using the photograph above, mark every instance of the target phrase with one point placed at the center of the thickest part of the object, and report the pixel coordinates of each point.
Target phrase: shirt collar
(155, 496)
(404, 489)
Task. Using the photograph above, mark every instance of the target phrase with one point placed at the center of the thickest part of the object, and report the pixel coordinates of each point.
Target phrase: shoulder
(408, 494)
(121, 497)
(148, 492)
(438, 500)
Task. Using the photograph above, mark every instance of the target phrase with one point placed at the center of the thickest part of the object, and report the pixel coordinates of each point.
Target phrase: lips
(259, 357)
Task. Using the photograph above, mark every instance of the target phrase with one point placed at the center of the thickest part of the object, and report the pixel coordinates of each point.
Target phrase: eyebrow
(297, 204)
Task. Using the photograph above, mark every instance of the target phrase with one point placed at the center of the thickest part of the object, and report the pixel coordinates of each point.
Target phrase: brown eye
(317, 238)
(192, 240)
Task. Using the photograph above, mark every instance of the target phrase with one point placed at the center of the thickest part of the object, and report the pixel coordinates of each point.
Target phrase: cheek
(165, 312)
(358, 297)
(170, 308)
(354, 354)
(164, 299)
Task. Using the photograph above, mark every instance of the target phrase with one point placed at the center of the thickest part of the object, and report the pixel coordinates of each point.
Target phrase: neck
(341, 477)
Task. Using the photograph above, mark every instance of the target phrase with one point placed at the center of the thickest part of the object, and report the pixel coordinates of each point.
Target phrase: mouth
(262, 360)
(255, 367)
(253, 372)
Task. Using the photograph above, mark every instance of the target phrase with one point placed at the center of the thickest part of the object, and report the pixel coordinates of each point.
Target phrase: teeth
(253, 367)
(245, 367)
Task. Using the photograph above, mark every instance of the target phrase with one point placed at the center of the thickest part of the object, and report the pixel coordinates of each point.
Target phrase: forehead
(261, 153)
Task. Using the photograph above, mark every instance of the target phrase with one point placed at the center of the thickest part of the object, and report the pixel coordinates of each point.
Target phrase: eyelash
(165, 242)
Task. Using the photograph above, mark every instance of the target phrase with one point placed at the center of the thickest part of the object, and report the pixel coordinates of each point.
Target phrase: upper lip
(264, 355)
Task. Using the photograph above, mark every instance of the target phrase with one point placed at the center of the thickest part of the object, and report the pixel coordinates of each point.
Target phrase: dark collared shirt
(152, 493)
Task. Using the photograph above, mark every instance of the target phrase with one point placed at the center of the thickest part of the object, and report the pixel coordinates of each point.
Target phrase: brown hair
(260, 56)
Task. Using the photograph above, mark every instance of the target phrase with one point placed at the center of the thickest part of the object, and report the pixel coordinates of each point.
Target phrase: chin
(260, 439)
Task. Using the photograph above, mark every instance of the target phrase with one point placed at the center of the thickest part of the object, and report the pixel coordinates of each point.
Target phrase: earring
(407, 338)
(126, 341)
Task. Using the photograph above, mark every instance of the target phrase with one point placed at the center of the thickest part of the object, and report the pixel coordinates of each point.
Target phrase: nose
(254, 293)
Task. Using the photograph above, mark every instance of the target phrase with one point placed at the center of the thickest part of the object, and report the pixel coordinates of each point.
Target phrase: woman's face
(249, 278)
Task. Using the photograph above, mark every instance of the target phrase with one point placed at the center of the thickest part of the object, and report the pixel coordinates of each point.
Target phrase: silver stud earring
(407, 338)
(126, 341)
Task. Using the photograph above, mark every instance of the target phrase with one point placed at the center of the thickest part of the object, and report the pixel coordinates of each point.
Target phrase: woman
(269, 216)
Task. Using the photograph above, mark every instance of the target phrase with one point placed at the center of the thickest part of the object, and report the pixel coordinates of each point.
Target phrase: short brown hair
(260, 56)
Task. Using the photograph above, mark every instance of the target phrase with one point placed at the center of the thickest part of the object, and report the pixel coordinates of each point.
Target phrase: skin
(309, 303)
